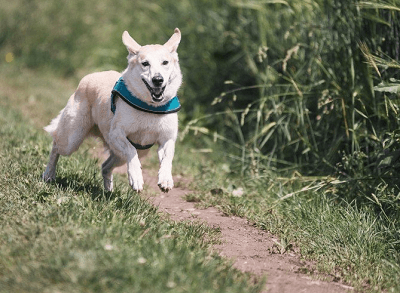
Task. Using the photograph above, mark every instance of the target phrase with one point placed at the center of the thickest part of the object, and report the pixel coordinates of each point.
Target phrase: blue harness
(120, 90)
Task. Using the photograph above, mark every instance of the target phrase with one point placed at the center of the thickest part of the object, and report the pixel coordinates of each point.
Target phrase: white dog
(129, 113)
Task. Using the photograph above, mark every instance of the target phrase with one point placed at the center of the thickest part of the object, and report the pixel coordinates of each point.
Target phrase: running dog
(129, 112)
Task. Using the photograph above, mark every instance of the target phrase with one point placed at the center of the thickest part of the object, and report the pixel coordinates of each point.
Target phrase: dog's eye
(165, 62)
(145, 64)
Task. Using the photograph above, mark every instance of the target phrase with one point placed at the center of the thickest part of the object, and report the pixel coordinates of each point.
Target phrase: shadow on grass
(84, 184)
(79, 185)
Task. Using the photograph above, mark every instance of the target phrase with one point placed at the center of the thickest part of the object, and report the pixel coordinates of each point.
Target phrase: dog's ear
(173, 43)
(130, 43)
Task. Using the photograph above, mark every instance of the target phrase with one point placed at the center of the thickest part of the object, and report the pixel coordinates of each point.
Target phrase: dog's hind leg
(68, 130)
(107, 168)
(50, 173)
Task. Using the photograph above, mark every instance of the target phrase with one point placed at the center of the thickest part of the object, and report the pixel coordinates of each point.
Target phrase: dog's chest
(145, 128)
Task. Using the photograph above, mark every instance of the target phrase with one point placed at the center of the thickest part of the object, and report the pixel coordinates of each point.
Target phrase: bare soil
(251, 249)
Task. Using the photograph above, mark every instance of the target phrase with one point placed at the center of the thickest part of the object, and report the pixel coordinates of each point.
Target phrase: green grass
(313, 139)
(353, 242)
(307, 118)
(71, 236)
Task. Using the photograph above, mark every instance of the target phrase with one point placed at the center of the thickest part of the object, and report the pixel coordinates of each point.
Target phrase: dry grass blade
(379, 5)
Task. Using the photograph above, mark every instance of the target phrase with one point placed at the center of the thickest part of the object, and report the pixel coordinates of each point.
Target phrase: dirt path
(252, 250)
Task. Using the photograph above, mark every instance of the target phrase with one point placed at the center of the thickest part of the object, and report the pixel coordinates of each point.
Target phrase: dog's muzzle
(157, 92)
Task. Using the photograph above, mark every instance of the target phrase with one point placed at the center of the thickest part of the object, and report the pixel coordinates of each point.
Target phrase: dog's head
(153, 72)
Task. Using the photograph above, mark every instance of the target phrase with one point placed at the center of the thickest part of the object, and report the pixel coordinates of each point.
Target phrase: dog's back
(87, 109)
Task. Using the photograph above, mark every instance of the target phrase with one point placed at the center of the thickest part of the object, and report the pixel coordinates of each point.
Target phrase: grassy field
(295, 103)
(356, 244)
(71, 236)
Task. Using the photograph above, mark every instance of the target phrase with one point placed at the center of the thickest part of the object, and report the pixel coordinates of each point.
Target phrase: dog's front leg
(166, 155)
(125, 150)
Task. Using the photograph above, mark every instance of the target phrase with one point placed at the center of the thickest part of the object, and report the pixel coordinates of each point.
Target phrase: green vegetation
(297, 99)
(313, 139)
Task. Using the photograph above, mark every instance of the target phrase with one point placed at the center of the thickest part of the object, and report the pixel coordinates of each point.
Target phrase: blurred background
(281, 85)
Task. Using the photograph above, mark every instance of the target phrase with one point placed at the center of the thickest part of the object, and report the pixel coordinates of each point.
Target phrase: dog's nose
(157, 80)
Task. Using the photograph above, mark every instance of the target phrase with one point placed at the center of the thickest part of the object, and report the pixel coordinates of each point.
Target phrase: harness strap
(139, 146)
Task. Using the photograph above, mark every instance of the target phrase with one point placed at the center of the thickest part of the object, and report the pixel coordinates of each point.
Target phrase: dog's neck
(120, 90)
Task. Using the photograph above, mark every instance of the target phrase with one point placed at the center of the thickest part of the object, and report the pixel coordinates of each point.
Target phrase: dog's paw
(165, 187)
(136, 182)
(166, 183)
(108, 183)
(46, 177)
(135, 176)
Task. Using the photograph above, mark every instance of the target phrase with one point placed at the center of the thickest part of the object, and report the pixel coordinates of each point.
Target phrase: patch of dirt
(251, 249)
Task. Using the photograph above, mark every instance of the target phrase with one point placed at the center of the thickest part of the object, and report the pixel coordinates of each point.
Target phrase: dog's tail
(52, 127)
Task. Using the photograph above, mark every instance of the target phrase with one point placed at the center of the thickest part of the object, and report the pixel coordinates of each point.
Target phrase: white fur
(88, 112)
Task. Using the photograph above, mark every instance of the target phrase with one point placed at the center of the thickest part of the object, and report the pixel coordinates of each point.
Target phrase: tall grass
(318, 97)
(312, 93)
(312, 102)
(322, 101)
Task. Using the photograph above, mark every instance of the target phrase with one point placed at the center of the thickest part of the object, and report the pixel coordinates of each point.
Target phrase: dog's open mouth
(157, 93)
